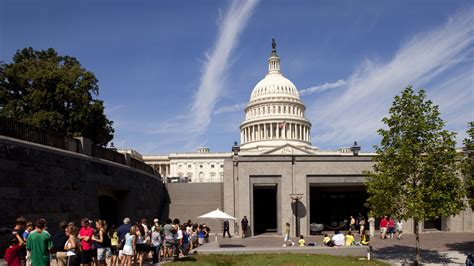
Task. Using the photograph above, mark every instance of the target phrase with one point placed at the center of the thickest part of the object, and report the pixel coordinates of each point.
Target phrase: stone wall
(40, 181)
(190, 200)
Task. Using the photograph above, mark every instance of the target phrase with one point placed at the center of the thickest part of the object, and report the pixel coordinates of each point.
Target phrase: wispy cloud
(356, 114)
(231, 108)
(322, 87)
(215, 67)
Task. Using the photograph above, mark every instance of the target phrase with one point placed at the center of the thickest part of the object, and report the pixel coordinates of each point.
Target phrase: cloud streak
(216, 65)
(322, 87)
(427, 59)
(231, 108)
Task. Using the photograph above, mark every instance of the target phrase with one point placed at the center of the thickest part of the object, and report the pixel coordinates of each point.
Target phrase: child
(327, 241)
(301, 242)
(287, 236)
(364, 238)
(349, 239)
(12, 254)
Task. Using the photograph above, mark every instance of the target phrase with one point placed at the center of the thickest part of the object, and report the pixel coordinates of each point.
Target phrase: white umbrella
(217, 214)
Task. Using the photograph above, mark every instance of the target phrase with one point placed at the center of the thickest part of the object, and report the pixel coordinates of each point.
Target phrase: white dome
(274, 85)
(274, 117)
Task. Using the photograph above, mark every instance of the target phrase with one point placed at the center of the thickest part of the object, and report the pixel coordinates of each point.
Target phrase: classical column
(277, 129)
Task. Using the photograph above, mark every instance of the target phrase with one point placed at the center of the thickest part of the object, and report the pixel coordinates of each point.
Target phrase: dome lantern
(274, 60)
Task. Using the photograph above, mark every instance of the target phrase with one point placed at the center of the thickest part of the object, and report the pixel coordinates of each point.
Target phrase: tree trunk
(417, 247)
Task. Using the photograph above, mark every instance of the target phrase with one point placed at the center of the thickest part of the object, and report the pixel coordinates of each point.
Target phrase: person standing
(13, 252)
(383, 227)
(59, 239)
(122, 231)
(353, 223)
(226, 229)
(287, 236)
(39, 243)
(391, 227)
(399, 229)
(72, 246)
(372, 226)
(361, 225)
(245, 224)
(102, 242)
(85, 236)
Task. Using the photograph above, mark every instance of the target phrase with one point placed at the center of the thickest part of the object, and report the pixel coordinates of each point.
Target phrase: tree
(468, 163)
(53, 92)
(416, 170)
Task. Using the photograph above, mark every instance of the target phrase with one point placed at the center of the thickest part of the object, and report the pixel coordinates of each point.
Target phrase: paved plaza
(436, 247)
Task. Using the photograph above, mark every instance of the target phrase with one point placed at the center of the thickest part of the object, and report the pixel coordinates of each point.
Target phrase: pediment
(287, 149)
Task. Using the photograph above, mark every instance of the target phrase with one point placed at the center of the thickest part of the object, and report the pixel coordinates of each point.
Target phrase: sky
(176, 75)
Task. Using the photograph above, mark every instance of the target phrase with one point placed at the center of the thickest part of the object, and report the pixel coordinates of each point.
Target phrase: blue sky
(176, 75)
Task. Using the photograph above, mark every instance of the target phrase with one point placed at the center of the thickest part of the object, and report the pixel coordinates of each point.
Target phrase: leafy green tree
(416, 170)
(468, 163)
(53, 92)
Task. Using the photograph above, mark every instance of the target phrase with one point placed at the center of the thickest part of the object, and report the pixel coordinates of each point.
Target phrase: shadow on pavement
(466, 247)
(231, 246)
(406, 254)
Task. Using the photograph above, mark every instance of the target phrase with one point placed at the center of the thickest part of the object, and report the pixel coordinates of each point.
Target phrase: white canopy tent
(217, 215)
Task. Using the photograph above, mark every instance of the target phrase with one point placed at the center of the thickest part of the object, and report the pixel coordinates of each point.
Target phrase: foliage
(415, 175)
(468, 162)
(54, 92)
(273, 259)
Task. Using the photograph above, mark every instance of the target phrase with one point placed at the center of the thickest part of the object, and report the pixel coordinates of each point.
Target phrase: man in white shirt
(338, 238)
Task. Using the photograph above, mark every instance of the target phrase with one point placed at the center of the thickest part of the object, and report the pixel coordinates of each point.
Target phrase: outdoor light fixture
(296, 198)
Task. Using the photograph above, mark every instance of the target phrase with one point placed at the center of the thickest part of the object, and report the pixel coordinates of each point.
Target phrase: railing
(107, 154)
(19, 130)
(141, 165)
(12, 128)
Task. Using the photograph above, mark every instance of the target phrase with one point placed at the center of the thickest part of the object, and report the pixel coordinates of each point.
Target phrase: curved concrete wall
(40, 181)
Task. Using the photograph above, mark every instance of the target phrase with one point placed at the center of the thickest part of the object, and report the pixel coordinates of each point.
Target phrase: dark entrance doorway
(108, 209)
(331, 206)
(434, 224)
(264, 209)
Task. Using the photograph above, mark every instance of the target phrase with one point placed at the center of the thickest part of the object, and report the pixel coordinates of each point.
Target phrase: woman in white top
(141, 245)
(72, 246)
(129, 246)
(400, 229)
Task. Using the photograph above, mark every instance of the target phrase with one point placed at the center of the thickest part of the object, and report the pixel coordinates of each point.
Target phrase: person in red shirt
(391, 227)
(85, 235)
(383, 227)
(12, 254)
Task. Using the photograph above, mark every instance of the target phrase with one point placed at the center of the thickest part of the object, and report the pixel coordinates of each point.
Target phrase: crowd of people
(389, 228)
(94, 243)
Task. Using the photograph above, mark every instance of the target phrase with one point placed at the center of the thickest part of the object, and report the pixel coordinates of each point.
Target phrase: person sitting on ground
(301, 242)
(327, 241)
(349, 239)
(364, 238)
(338, 238)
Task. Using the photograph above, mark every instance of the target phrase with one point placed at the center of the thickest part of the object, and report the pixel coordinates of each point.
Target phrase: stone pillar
(271, 130)
(85, 145)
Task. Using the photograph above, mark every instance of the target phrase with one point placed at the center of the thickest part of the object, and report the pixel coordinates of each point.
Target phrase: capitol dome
(274, 115)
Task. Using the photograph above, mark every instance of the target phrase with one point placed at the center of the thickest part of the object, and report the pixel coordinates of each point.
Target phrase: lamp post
(296, 198)
(235, 163)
